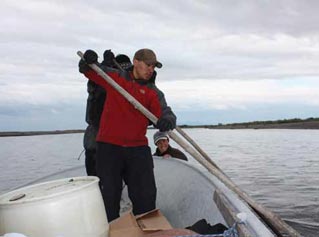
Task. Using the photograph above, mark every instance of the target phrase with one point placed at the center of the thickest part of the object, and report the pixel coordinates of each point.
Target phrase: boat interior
(187, 193)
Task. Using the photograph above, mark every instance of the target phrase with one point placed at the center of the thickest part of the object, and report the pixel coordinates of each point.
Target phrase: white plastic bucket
(71, 207)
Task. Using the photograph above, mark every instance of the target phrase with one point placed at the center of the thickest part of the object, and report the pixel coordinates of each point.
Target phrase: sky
(223, 61)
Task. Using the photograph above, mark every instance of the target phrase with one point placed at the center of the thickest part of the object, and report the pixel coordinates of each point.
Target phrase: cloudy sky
(223, 61)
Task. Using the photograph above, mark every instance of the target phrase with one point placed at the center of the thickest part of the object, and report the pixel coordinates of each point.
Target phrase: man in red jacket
(122, 147)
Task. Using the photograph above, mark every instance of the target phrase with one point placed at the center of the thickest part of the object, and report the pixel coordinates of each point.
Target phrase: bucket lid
(47, 190)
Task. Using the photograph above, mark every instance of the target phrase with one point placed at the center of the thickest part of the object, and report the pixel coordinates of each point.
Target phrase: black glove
(83, 66)
(165, 124)
(90, 56)
(108, 58)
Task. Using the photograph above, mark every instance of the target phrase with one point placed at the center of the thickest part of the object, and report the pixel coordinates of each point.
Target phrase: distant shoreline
(280, 124)
(260, 125)
(36, 133)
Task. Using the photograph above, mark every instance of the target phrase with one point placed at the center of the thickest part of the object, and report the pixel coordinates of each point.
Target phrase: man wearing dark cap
(122, 147)
(147, 56)
(94, 108)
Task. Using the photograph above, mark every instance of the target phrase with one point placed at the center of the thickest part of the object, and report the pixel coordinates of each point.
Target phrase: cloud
(238, 94)
(207, 38)
(245, 52)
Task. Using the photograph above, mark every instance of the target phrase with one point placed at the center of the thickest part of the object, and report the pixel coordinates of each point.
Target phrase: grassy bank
(310, 123)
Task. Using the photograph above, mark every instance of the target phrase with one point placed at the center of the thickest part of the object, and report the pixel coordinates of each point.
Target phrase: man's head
(145, 62)
(161, 140)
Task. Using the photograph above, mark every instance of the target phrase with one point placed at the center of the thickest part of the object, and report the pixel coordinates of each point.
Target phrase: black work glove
(165, 124)
(83, 66)
(90, 56)
(108, 58)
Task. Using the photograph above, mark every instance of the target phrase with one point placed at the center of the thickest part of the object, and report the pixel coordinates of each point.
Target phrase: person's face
(162, 145)
(142, 70)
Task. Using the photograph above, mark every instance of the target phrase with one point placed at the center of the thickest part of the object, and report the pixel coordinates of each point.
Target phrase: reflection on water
(279, 168)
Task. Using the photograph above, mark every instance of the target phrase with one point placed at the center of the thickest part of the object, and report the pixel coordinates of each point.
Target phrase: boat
(186, 193)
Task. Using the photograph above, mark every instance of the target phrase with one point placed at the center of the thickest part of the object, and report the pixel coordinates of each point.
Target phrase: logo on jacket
(142, 91)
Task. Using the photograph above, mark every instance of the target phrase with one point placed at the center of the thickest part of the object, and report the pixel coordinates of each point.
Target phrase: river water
(278, 168)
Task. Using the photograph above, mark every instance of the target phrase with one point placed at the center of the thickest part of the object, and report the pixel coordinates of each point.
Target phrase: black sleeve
(180, 155)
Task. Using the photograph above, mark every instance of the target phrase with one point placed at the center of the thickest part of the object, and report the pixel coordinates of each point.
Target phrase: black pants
(89, 145)
(135, 166)
(90, 160)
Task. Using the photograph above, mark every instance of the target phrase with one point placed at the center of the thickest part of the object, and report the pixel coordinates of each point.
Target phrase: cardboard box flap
(137, 226)
(153, 221)
(127, 220)
(125, 225)
(129, 232)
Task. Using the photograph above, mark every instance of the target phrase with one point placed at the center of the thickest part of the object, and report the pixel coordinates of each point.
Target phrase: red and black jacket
(121, 123)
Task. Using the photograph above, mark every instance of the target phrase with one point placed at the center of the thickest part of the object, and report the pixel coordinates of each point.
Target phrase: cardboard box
(140, 225)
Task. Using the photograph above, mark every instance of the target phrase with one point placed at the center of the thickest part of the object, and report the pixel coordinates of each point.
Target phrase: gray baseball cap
(160, 136)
